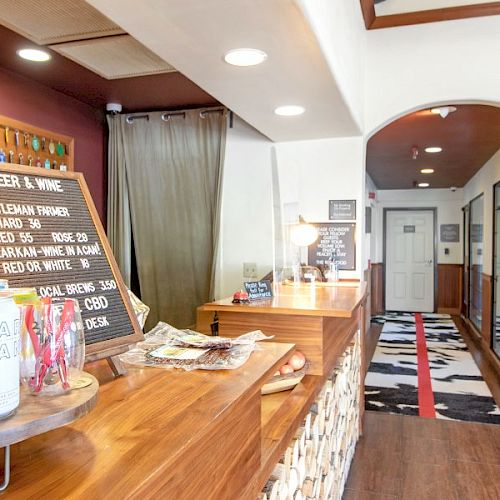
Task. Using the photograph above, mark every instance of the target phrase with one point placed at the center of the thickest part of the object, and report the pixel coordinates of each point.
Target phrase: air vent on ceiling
(114, 57)
(54, 21)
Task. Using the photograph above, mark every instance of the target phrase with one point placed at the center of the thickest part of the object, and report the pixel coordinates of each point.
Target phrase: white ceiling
(388, 7)
(193, 36)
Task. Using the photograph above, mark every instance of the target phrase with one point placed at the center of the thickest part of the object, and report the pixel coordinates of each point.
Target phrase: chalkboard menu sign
(259, 290)
(51, 239)
(336, 242)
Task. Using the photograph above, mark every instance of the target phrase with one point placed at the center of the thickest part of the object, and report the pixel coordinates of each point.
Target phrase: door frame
(494, 251)
(435, 244)
(469, 243)
(464, 312)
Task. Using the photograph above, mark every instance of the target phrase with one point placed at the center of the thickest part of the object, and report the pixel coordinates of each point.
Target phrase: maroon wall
(30, 102)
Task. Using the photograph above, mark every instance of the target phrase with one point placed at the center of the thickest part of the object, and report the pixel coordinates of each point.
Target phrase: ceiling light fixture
(289, 110)
(443, 111)
(433, 149)
(245, 57)
(423, 184)
(35, 55)
(414, 152)
(427, 171)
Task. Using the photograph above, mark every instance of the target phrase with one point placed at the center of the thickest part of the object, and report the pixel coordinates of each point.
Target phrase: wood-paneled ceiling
(419, 16)
(159, 91)
(469, 137)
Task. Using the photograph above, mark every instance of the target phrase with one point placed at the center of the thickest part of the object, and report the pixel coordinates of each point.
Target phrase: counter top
(154, 432)
(329, 300)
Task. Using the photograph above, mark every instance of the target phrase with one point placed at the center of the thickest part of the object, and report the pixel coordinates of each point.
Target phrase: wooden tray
(281, 383)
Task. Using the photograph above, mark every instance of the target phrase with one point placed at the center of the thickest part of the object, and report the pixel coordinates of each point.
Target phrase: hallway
(406, 457)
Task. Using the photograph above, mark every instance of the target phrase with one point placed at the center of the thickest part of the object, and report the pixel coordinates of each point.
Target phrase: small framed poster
(449, 233)
(342, 210)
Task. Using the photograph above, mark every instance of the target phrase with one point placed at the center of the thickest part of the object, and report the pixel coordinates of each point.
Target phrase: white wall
(341, 36)
(415, 66)
(313, 172)
(448, 204)
(483, 182)
(246, 224)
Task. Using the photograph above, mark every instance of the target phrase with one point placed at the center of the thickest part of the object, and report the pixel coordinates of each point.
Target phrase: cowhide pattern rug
(391, 385)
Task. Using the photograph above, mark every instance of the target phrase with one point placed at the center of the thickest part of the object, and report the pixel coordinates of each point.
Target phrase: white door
(409, 275)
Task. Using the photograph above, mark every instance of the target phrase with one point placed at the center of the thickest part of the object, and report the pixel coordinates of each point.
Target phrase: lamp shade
(303, 234)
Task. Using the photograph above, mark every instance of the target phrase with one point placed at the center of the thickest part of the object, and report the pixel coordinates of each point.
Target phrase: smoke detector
(113, 108)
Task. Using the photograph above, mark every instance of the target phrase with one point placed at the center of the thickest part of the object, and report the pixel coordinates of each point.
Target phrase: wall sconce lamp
(303, 233)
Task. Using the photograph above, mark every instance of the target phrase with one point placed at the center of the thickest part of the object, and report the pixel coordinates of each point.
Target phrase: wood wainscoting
(486, 310)
(449, 290)
(377, 289)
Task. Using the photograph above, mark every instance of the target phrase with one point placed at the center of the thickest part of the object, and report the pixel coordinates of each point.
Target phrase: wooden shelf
(281, 416)
(39, 414)
(8, 127)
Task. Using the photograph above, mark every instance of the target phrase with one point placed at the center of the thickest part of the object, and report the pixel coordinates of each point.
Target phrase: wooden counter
(318, 319)
(159, 433)
(338, 300)
(155, 433)
(322, 321)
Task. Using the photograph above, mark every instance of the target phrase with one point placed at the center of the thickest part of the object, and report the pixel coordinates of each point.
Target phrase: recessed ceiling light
(289, 110)
(245, 57)
(433, 149)
(427, 171)
(36, 55)
(423, 184)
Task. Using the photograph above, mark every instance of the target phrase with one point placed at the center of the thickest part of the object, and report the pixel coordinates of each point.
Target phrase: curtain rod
(131, 118)
(168, 114)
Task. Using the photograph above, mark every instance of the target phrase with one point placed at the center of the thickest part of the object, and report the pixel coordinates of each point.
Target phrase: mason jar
(52, 346)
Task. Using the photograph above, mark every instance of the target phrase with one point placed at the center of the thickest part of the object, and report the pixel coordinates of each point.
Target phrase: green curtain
(119, 228)
(173, 170)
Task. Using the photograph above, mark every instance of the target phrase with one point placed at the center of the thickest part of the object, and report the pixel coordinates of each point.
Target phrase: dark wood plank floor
(402, 457)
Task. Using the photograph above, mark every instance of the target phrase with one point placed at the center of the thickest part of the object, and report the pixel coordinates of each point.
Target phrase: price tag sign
(51, 239)
(259, 290)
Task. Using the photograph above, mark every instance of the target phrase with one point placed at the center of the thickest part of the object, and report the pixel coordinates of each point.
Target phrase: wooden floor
(403, 457)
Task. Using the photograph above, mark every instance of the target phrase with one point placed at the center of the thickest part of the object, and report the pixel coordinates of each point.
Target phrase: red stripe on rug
(425, 394)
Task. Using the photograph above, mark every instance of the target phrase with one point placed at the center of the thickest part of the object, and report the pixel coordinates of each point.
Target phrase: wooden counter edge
(267, 307)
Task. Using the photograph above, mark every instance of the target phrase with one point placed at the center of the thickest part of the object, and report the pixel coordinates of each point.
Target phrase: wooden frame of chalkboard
(50, 229)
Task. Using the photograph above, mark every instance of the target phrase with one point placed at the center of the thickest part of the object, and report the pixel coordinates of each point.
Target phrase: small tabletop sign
(259, 290)
(342, 210)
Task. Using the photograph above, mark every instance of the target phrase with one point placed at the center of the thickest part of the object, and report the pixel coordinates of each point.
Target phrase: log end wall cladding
(316, 463)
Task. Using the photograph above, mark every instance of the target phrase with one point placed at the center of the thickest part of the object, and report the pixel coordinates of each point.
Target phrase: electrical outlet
(249, 270)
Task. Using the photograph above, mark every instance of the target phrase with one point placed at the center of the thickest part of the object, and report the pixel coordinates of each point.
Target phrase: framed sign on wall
(336, 242)
(342, 210)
